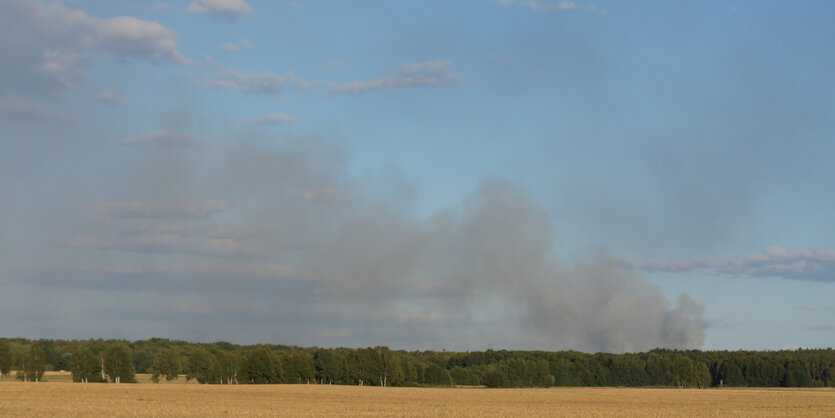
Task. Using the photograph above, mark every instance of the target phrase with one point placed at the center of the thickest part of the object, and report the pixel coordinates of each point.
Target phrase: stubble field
(66, 399)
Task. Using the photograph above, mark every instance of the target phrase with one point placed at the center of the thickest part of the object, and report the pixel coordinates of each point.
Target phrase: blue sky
(596, 175)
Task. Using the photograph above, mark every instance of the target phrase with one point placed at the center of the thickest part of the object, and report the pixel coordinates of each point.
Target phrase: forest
(119, 361)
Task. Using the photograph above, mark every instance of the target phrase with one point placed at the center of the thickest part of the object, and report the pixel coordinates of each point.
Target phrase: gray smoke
(278, 241)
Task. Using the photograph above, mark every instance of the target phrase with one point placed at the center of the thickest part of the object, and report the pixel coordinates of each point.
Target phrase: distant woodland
(225, 363)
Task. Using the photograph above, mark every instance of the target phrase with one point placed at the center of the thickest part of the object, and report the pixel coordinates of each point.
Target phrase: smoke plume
(279, 242)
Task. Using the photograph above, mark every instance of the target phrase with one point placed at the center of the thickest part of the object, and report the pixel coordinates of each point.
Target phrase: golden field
(56, 398)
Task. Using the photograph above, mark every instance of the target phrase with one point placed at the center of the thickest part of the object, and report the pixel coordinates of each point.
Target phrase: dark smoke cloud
(281, 237)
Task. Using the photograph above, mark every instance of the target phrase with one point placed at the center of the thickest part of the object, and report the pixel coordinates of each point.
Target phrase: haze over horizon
(506, 174)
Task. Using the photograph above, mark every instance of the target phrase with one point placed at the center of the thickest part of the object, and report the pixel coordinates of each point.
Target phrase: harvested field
(64, 399)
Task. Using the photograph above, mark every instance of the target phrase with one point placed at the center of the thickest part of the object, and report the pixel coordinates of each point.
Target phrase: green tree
(681, 371)
(298, 367)
(33, 364)
(729, 373)
(85, 366)
(437, 376)
(461, 376)
(166, 364)
(388, 366)
(259, 367)
(201, 365)
(118, 363)
(541, 374)
(5, 357)
(796, 374)
(495, 376)
(701, 375)
(329, 366)
(228, 366)
(656, 368)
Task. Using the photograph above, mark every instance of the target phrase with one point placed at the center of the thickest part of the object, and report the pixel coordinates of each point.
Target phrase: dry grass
(63, 399)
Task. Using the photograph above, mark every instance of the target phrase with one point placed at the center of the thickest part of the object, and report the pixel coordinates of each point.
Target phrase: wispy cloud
(816, 308)
(320, 193)
(164, 209)
(110, 96)
(21, 108)
(230, 9)
(233, 47)
(64, 65)
(230, 47)
(811, 264)
(276, 118)
(717, 323)
(172, 226)
(548, 6)
(827, 327)
(258, 83)
(330, 65)
(164, 138)
(430, 73)
(435, 67)
(121, 36)
(167, 243)
(54, 43)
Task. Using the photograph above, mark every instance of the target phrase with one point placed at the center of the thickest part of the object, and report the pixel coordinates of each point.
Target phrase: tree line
(118, 361)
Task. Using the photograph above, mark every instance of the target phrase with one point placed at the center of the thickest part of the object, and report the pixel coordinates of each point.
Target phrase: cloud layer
(164, 138)
(231, 9)
(276, 118)
(51, 45)
(432, 73)
(257, 83)
(552, 6)
(811, 264)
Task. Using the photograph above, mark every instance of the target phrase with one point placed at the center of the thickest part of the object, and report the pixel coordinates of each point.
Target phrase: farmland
(56, 398)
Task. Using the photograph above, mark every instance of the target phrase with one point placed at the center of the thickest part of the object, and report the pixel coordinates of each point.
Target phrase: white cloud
(166, 138)
(169, 226)
(121, 36)
(330, 65)
(110, 96)
(548, 6)
(258, 83)
(276, 118)
(167, 243)
(426, 67)
(505, 61)
(811, 264)
(21, 108)
(430, 73)
(164, 209)
(827, 328)
(317, 194)
(50, 45)
(231, 9)
(232, 47)
(64, 65)
(128, 36)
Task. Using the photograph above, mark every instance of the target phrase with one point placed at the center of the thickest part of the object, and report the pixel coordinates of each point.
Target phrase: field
(56, 398)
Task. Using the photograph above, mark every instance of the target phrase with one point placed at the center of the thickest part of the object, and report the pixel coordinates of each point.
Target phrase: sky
(512, 174)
